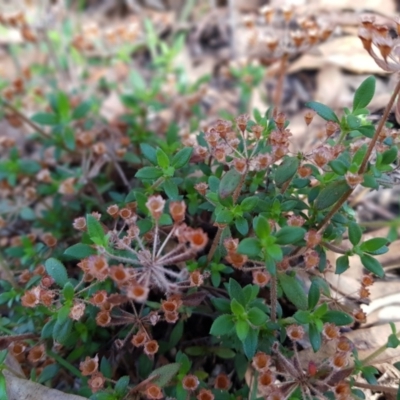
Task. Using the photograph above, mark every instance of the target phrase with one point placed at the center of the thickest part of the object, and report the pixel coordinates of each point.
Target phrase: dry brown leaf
(24, 389)
(345, 52)
(366, 342)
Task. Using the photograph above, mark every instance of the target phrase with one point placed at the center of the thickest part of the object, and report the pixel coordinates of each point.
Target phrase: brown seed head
(177, 210)
(295, 332)
(261, 361)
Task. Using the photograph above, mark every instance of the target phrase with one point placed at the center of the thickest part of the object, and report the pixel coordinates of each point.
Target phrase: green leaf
(222, 325)
(331, 194)
(149, 152)
(57, 271)
(224, 352)
(315, 337)
(303, 317)
(374, 244)
(229, 182)
(3, 355)
(286, 171)
(339, 318)
(372, 265)
(224, 217)
(47, 330)
(289, 235)
(323, 111)
(313, 295)
(45, 119)
(364, 94)
(242, 329)
(94, 227)
(367, 131)
(242, 225)
(249, 203)
(165, 374)
(62, 330)
(171, 189)
(338, 167)
(342, 264)
(389, 156)
(293, 291)
(3, 387)
(68, 291)
(149, 173)
(256, 316)
(251, 247)
(82, 109)
(221, 304)
(353, 122)
(63, 106)
(261, 227)
(122, 385)
(355, 233)
(69, 137)
(393, 341)
(162, 159)
(80, 250)
(181, 158)
(236, 292)
(48, 372)
(250, 343)
(359, 155)
(237, 308)
(275, 252)
(106, 367)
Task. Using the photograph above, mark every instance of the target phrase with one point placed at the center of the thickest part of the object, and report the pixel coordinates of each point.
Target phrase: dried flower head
(205, 394)
(151, 347)
(31, 297)
(77, 311)
(79, 223)
(139, 339)
(261, 278)
(190, 382)
(154, 392)
(261, 361)
(155, 204)
(266, 378)
(313, 238)
(222, 382)
(177, 210)
(331, 331)
(353, 179)
(231, 244)
(96, 382)
(339, 360)
(137, 293)
(236, 260)
(201, 187)
(344, 345)
(309, 116)
(360, 316)
(240, 164)
(89, 366)
(296, 220)
(196, 278)
(367, 280)
(171, 317)
(37, 354)
(197, 239)
(99, 298)
(295, 332)
(103, 318)
(311, 259)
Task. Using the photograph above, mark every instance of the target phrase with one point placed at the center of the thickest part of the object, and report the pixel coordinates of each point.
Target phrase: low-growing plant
(201, 273)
